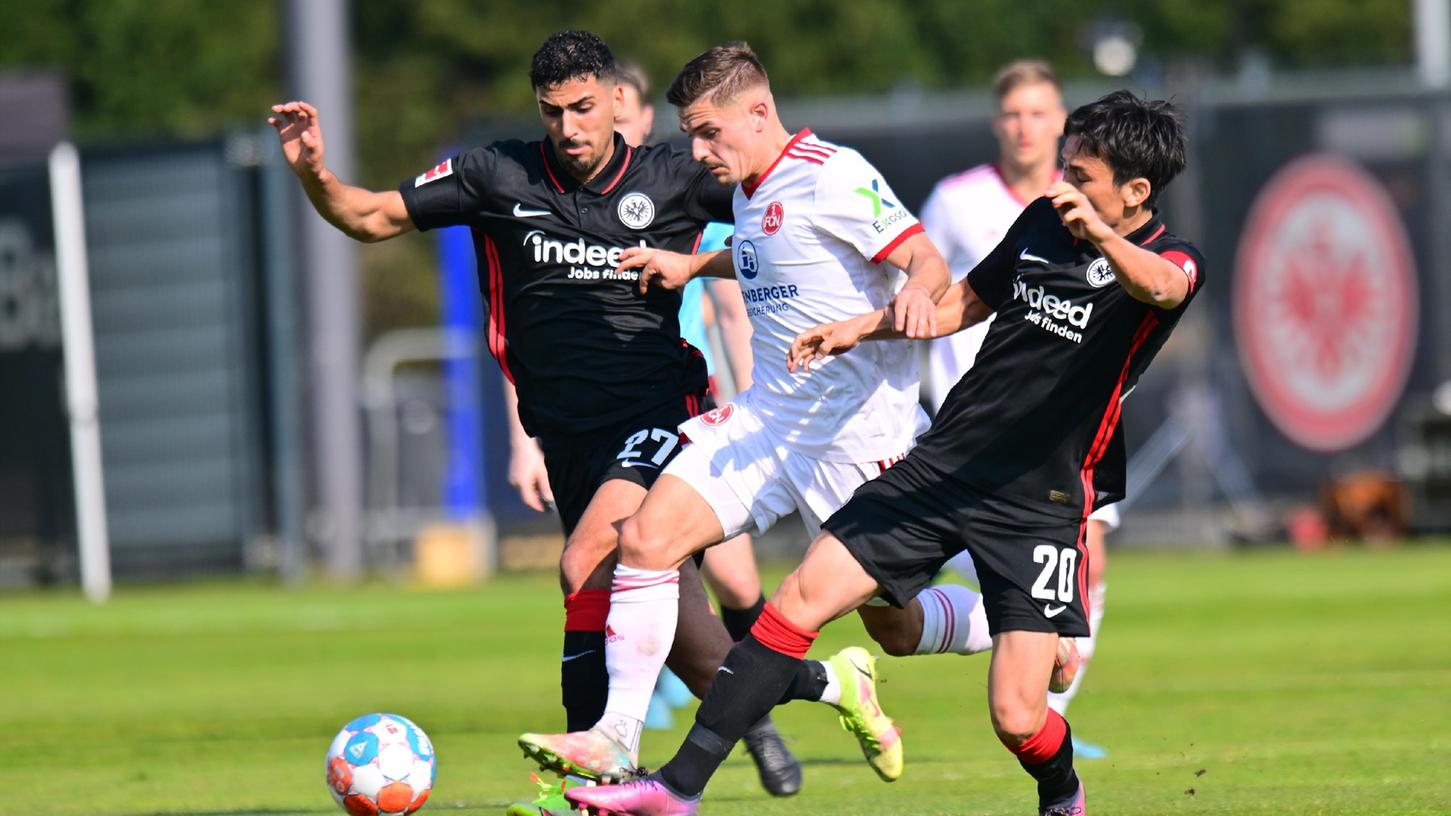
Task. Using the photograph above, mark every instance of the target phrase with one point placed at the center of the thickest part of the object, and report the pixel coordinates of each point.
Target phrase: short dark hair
(570, 55)
(1024, 72)
(721, 72)
(1135, 137)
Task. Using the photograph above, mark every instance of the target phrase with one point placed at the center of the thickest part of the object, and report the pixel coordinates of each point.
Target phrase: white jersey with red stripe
(810, 239)
(966, 215)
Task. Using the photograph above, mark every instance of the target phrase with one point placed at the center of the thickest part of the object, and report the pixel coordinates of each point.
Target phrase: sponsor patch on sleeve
(1184, 262)
(443, 168)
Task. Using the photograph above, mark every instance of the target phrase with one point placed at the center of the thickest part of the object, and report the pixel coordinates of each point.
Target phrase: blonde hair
(1024, 72)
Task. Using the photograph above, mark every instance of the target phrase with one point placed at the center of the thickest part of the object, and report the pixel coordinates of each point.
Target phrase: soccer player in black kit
(603, 377)
(1086, 285)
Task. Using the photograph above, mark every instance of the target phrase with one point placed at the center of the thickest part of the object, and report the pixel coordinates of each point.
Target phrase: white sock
(1059, 702)
(831, 695)
(953, 621)
(640, 629)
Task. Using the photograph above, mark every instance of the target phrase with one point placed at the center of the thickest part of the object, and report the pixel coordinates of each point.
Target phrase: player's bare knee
(788, 595)
(1016, 724)
(641, 548)
(586, 564)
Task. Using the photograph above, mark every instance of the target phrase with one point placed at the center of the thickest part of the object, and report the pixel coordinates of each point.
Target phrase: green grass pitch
(1268, 683)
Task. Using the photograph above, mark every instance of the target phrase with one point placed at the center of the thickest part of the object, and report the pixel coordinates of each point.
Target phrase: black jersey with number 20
(585, 350)
(1036, 419)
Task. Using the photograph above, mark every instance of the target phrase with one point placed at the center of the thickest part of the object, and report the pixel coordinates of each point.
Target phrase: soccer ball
(380, 764)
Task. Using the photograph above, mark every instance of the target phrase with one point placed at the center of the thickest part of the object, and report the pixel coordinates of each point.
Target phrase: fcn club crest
(717, 416)
(771, 221)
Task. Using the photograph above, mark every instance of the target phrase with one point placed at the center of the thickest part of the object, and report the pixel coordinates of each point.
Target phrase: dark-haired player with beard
(1086, 285)
(602, 376)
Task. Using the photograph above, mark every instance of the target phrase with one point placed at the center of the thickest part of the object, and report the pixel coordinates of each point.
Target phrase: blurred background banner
(36, 508)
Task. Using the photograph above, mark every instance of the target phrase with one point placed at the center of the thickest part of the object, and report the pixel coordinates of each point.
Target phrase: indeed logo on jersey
(586, 261)
(1050, 312)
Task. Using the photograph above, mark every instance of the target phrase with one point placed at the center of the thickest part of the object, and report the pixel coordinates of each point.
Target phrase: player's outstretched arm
(818, 342)
(1145, 275)
(672, 270)
(914, 309)
(958, 309)
(361, 214)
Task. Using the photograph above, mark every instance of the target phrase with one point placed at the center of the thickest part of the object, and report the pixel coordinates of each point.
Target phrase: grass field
(1252, 684)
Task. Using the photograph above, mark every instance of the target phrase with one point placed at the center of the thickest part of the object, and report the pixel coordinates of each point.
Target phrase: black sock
(807, 683)
(747, 686)
(738, 621)
(1057, 780)
(584, 681)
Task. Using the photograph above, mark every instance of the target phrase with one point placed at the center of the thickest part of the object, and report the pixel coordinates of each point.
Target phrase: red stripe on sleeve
(896, 242)
(1184, 262)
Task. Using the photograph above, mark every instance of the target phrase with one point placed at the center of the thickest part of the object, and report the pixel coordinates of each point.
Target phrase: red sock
(586, 610)
(780, 635)
(1043, 745)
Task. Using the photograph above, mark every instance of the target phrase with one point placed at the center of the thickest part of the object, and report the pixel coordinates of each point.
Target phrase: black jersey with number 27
(584, 348)
(1036, 418)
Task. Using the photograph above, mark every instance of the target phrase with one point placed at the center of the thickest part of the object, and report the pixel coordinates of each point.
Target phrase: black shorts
(636, 451)
(905, 524)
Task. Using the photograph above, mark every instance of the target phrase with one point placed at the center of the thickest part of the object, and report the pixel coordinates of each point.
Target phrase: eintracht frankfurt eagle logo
(1325, 303)
(636, 210)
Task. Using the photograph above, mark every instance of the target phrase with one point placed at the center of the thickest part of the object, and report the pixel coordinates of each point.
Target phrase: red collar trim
(749, 189)
(629, 151)
(1152, 235)
(544, 154)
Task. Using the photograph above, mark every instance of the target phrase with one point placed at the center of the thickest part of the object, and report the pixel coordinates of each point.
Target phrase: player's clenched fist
(300, 133)
(1077, 214)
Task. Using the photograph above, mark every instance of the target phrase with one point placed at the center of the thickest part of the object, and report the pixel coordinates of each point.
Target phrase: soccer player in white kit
(966, 215)
(819, 236)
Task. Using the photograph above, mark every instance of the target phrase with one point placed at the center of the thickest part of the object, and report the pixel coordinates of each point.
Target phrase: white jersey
(810, 237)
(966, 215)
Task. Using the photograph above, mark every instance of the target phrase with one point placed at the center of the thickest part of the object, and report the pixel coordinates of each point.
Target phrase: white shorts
(751, 479)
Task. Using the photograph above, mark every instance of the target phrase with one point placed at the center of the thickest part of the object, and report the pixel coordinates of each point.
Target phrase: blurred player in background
(603, 378)
(966, 215)
(1087, 284)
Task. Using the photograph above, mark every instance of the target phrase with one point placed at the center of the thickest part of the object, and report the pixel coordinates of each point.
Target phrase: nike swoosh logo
(568, 658)
(1025, 255)
(520, 212)
(724, 669)
(863, 672)
(639, 464)
(1051, 612)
